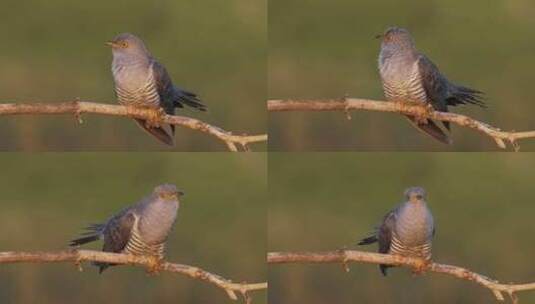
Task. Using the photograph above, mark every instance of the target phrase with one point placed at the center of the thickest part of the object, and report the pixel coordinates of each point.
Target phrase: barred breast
(137, 246)
(129, 91)
(399, 248)
(401, 82)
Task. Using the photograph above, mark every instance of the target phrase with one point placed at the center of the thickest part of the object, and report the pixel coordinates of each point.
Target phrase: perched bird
(409, 76)
(140, 229)
(140, 80)
(407, 230)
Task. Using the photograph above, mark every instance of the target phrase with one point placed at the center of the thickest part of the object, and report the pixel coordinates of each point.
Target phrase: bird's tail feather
(384, 268)
(431, 129)
(92, 234)
(102, 266)
(368, 240)
(159, 132)
(83, 240)
(190, 99)
(464, 95)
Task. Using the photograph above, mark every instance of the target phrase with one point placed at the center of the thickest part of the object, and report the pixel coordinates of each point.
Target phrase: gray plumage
(409, 76)
(407, 230)
(140, 229)
(140, 80)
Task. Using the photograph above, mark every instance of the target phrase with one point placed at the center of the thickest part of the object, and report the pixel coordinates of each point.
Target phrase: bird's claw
(155, 118)
(421, 267)
(423, 117)
(155, 266)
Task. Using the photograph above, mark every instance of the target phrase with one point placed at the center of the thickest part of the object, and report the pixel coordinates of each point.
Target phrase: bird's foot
(155, 266)
(423, 116)
(429, 109)
(421, 267)
(422, 110)
(155, 118)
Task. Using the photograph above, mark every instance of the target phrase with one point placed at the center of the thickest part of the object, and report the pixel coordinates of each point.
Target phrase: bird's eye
(124, 44)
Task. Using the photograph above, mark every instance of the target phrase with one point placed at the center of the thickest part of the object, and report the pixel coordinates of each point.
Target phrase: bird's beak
(378, 36)
(180, 193)
(110, 43)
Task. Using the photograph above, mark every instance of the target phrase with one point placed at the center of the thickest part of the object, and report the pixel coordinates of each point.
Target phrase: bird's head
(168, 192)
(415, 194)
(128, 44)
(396, 37)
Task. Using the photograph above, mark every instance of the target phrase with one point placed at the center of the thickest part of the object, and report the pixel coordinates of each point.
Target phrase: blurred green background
(48, 198)
(326, 49)
(482, 204)
(54, 51)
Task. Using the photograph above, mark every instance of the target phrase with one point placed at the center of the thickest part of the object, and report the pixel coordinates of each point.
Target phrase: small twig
(79, 256)
(345, 256)
(77, 108)
(500, 137)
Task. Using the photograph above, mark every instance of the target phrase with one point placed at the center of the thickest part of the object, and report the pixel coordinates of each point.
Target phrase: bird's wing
(434, 83)
(384, 233)
(436, 88)
(442, 92)
(384, 236)
(164, 85)
(177, 97)
(118, 231)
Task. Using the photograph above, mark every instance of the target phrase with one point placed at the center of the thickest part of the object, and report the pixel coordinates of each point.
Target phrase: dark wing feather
(117, 234)
(172, 96)
(443, 93)
(435, 85)
(384, 236)
(118, 231)
(164, 86)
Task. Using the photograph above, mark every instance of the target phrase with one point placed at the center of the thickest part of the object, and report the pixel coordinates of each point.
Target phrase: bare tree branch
(346, 256)
(348, 104)
(153, 116)
(79, 256)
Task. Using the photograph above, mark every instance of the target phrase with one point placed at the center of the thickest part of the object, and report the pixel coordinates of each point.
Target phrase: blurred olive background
(48, 198)
(326, 49)
(482, 204)
(54, 51)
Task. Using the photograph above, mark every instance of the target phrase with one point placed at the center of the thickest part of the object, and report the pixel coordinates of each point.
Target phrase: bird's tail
(463, 95)
(188, 98)
(431, 129)
(159, 132)
(384, 268)
(368, 240)
(92, 234)
(102, 266)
